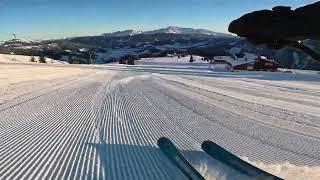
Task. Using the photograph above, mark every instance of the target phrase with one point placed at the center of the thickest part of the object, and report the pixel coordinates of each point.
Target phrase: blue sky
(44, 19)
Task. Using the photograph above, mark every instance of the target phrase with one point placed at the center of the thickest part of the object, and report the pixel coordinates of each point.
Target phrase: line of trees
(129, 59)
(42, 59)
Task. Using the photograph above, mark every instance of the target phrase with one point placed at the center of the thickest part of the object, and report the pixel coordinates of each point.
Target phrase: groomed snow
(182, 63)
(103, 122)
(173, 61)
(17, 80)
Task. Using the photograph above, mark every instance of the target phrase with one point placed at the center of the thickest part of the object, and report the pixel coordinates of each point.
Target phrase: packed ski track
(105, 123)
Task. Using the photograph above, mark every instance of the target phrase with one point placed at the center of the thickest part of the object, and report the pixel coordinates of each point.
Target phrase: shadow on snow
(122, 161)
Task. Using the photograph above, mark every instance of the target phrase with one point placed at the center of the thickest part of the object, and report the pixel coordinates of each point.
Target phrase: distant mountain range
(179, 30)
(169, 30)
(114, 46)
(117, 45)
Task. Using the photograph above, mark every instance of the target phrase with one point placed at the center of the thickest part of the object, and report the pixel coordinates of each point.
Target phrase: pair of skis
(216, 152)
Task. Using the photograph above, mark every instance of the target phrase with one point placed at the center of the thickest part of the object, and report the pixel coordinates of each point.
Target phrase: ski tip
(212, 147)
(165, 144)
(208, 144)
(162, 141)
(167, 147)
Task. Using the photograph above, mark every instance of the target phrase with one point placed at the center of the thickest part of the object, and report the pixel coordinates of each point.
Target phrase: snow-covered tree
(42, 59)
(32, 59)
(191, 59)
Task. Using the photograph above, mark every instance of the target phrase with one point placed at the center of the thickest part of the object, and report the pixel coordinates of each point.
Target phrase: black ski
(174, 155)
(234, 162)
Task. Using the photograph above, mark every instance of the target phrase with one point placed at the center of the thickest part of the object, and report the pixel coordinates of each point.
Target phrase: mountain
(117, 45)
(168, 30)
(123, 33)
(180, 30)
(17, 42)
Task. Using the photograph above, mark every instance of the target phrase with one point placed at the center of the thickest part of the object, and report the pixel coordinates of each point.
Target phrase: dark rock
(280, 23)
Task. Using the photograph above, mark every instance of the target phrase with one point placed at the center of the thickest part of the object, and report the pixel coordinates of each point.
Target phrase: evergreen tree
(191, 59)
(70, 59)
(32, 59)
(122, 61)
(130, 61)
(42, 59)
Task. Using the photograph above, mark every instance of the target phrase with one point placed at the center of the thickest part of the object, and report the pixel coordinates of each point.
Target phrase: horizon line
(82, 34)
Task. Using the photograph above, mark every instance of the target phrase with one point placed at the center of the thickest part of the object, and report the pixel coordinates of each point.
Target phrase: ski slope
(179, 63)
(103, 122)
(9, 58)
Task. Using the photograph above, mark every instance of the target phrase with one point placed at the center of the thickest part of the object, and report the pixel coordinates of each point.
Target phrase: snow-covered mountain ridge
(168, 30)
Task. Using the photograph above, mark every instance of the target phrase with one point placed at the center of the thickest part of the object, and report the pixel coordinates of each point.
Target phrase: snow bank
(8, 58)
(220, 68)
(288, 171)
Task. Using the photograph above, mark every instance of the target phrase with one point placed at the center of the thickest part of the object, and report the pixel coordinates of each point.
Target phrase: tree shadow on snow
(121, 161)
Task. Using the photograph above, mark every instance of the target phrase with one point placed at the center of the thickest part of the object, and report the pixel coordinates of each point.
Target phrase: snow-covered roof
(83, 50)
(247, 58)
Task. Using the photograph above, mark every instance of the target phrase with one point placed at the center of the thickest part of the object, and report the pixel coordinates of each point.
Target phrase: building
(245, 66)
(259, 64)
(247, 61)
(263, 63)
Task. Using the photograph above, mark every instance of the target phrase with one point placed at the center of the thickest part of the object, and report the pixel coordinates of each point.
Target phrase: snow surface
(103, 121)
(182, 64)
(8, 58)
(19, 80)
